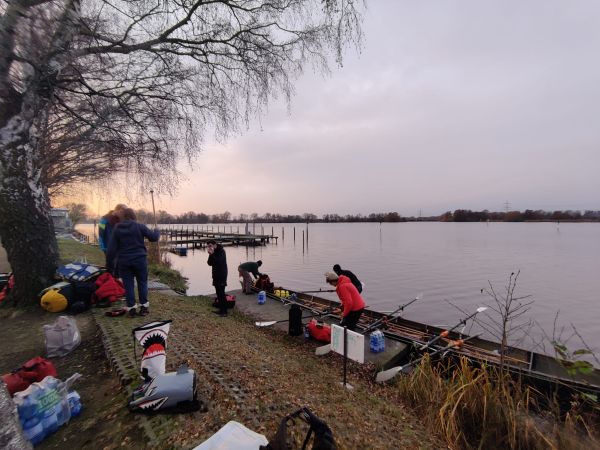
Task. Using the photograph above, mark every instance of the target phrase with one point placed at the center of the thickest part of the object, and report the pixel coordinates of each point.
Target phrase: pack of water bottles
(45, 406)
(377, 341)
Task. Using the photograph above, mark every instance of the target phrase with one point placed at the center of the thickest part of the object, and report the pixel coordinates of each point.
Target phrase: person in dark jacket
(245, 270)
(127, 246)
(353, 278)
(217, 259)
(105, 228)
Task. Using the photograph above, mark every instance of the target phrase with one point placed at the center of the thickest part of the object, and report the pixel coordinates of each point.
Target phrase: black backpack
(295, 322)
(323, 439)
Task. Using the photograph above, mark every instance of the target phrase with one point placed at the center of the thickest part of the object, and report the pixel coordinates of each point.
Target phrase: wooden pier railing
(197, 236)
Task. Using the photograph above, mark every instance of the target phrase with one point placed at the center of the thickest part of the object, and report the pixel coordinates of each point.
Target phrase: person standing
(353, 304)
(106, 226)
(245, 269)
(353, 278)
(126, 245)
(217, 259)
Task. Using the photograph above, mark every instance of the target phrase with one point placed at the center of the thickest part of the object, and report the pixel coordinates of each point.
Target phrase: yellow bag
(55, 298)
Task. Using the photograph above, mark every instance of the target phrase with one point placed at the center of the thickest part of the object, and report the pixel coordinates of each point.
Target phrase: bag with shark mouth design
(173, 391)
(153, 337)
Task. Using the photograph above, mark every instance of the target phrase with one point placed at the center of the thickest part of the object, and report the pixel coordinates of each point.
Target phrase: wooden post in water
(282, 234)
(294, 235)
(307, 233)
(272, 234)
(302, 241)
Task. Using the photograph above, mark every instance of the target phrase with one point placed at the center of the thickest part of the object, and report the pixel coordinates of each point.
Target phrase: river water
(448, 262)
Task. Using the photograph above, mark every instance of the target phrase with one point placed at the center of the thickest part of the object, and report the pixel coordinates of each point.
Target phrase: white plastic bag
(233, 436)
(61, 337)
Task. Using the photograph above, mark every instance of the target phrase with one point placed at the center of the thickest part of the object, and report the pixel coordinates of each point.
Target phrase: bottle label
(48, 400)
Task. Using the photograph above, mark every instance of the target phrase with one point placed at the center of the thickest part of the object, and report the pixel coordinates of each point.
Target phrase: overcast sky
(450, 104)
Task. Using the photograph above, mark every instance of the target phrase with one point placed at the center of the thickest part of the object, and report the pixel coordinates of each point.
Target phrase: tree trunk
(25, 226)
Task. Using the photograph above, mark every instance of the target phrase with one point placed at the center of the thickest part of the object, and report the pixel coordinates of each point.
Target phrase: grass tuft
(482, 408)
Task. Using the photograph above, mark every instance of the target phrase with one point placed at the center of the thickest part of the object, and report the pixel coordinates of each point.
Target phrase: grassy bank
(71, 250)
(257, 376)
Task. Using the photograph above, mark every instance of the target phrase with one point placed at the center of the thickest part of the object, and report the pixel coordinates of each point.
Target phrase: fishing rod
(386, 375)
(445, 333)
(323, 350)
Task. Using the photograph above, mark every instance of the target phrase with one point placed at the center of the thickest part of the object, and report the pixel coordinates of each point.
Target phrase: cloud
(449, 105)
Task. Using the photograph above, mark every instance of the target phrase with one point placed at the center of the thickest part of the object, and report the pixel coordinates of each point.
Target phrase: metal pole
(345, 353)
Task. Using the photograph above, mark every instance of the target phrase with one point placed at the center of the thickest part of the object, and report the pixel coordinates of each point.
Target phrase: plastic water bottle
(262, 297)
(50, 421)
(306, 332)
(33, 429)
(381, 343)
(373, 342)
(27, 406)
(74, 403)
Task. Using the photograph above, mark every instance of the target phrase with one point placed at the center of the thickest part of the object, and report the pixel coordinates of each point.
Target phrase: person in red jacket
(352, 303)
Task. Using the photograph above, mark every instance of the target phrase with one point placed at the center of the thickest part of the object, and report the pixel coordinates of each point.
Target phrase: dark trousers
(221, 300)
(138, 269)
(351, 319)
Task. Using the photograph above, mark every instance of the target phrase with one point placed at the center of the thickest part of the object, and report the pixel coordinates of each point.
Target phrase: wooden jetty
(197, 236)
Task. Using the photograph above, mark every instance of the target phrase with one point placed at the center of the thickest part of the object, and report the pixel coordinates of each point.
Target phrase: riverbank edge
(159, 430)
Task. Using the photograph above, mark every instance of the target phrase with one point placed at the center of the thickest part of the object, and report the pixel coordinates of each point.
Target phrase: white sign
(356, 343)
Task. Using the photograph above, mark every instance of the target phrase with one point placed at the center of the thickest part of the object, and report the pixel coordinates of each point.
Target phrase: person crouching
(353, 304)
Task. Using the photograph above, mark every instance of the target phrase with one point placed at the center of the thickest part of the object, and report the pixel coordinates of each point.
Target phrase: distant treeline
(459, 215)
(227, 217)
(466, 215)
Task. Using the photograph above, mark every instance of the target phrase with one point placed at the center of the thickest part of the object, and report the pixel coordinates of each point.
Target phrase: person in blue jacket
(105, 228)
(127, 246)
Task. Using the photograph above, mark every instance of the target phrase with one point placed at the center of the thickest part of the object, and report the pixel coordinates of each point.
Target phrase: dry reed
(483, 408)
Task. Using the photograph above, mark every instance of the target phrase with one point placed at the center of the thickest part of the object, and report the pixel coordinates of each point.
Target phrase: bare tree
(91, 88)
(509, 324)
(77, 212)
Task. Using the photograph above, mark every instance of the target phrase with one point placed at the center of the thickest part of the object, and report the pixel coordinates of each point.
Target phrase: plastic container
(50, 421)
(34, 430)
(373, 343)
(377, 342)
(306, 332)
(262, 297)
(381, 344)
(27, 406)
(43, 407)
(74, 403)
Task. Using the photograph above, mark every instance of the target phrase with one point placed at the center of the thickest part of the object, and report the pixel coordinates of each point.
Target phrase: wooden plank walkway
(196, 237)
